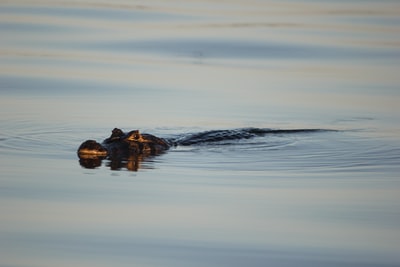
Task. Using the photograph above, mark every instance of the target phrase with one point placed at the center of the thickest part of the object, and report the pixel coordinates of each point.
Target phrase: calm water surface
(71, 71)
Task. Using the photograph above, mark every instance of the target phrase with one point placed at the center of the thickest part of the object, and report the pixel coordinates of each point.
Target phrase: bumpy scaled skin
(123, 145)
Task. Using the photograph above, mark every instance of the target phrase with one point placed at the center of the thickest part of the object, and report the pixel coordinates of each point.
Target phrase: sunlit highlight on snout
(91, 148)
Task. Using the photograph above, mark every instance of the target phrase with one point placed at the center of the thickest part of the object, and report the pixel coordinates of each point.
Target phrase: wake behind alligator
(129, 149)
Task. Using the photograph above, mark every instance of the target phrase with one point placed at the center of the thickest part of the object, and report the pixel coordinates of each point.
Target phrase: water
(72, 71)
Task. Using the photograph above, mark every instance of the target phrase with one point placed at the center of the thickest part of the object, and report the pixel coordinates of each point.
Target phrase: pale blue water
(72, 71)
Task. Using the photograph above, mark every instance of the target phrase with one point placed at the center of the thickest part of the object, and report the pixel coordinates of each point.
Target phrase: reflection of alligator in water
(130, 149)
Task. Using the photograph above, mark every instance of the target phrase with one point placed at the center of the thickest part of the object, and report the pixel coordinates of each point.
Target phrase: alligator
(131, 148)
